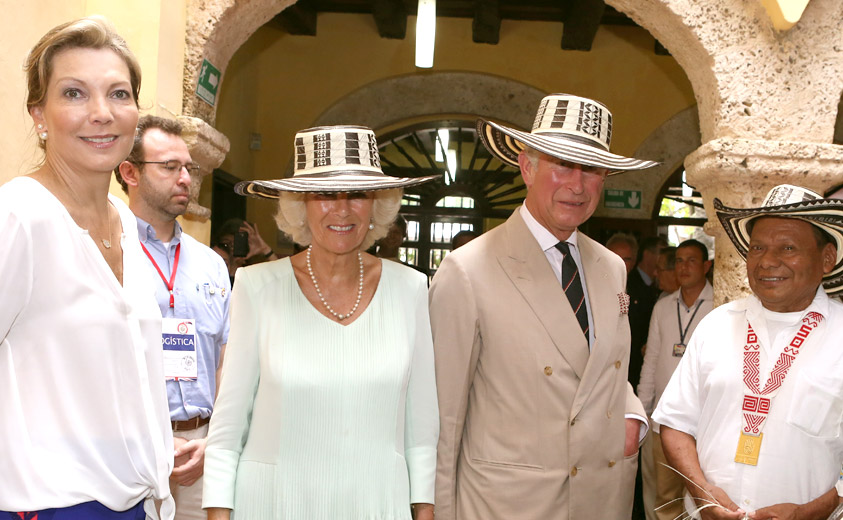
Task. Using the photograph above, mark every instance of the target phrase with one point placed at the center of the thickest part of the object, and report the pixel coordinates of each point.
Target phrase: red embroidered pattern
(755, 406)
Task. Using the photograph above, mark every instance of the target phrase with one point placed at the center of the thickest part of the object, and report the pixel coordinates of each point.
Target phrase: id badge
(749, 447)
(179, 341)
(678, 350)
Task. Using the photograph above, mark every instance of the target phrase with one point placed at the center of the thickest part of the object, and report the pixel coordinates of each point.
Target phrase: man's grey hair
(623, 238)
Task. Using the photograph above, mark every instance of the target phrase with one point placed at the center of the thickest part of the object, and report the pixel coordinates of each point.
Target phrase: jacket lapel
(605, 310)
(525, 264)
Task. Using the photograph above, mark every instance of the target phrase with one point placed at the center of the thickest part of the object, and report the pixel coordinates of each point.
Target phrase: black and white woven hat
(568, 127)
(787, 201)
(332, 159)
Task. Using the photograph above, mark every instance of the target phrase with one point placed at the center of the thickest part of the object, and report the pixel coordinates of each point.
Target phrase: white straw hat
(332, 159)
(787, 201)
(568, 127)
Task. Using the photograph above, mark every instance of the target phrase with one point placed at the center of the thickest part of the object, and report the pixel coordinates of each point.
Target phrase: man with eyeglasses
(192, 289)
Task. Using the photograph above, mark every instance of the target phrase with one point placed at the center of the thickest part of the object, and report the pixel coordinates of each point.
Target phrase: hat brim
(506, 143)
(336, 181)
(826, 214)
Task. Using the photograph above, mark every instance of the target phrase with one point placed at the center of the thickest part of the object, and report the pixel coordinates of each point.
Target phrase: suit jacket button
(609, 414)
(574, 471)
(548, 371)
(618, 364)
(611, 463)
(573, 421)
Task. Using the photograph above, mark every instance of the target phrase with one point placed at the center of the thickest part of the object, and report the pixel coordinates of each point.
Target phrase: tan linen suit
(532, 425)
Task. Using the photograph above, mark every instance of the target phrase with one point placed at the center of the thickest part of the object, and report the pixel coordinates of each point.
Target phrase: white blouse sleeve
(16, 266)
(230, 421)
(421, 429)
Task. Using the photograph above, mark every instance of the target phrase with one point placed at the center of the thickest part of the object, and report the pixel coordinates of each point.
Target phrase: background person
(258, 250)
(625, 246)
(674, 320)
(462, 238)
(533, 398)
(752, 413)
(192, 289)
(666, 272)
(86, 432)
(327, 408)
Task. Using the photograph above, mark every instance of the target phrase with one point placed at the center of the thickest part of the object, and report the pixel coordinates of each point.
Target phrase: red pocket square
(623, 300)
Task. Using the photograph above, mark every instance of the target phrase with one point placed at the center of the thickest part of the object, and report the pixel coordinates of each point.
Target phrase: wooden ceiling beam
(298, 19)
(391, 18)
(581, 24)
(486, 26)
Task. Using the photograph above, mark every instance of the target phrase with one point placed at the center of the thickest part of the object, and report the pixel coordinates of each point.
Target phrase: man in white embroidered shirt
(752, 414)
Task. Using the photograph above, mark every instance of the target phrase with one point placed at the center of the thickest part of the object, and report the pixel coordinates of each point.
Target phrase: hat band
(580, 139)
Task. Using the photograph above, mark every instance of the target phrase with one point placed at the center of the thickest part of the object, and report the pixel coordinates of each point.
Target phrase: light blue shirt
(201, 291)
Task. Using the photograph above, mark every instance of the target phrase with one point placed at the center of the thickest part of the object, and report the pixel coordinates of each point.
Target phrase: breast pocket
(817, 406)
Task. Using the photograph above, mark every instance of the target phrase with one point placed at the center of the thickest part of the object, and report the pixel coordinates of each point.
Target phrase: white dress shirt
(802, 448)
(659, 361)
(83, 408)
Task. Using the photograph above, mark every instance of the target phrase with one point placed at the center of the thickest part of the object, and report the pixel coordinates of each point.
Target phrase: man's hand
(777, 512)
(728, 511)
(633, 430)
(189, 461)
(818, 509)
(257, 245)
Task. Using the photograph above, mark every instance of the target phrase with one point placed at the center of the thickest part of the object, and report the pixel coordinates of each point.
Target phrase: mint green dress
(317, 420)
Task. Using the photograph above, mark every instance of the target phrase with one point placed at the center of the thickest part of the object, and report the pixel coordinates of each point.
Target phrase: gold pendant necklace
(106, 242)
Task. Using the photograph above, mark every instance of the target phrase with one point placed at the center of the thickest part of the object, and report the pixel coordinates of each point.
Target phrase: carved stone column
(208, 148)
(740, 172)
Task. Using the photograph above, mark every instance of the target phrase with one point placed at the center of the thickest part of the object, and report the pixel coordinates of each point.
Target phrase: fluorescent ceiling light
(425, 33)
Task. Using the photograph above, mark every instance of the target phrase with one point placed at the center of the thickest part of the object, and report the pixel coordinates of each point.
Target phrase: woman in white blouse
(327, 407)
(84, 425)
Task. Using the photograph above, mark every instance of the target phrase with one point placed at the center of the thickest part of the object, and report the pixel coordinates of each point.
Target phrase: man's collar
(544, 237)
(644, 276)
(754, 308)
(147, 233)
(706, 294)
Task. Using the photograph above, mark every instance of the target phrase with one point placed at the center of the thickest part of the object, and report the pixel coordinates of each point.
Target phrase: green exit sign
(208, 84)
(622, 199)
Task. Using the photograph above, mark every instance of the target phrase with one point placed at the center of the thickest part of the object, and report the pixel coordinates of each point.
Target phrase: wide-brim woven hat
(787, 201)
(567, 127)
(332, 159)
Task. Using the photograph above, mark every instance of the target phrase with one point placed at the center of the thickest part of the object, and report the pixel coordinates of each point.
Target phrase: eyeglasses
(173, 166)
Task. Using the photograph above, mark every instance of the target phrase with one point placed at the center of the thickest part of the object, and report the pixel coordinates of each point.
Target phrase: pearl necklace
(322, 298)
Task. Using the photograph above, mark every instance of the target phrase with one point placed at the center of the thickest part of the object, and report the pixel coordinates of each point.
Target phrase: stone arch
(215, 30)
(392, 100)
(670, 143)
(730, 52)
(750, 80)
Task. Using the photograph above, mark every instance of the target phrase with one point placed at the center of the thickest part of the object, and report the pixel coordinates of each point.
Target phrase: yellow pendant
(749, 446)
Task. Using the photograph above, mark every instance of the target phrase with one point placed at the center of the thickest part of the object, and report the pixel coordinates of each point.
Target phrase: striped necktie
(572, 284)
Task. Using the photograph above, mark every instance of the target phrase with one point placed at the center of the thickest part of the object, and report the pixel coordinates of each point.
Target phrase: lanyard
(172, 281)
(756, 401)
(679, 319)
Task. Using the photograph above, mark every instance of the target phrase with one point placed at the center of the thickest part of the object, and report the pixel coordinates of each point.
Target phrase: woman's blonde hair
(93, 32)
(292, 216)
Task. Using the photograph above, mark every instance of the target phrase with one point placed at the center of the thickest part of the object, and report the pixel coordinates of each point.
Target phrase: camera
(241, 244)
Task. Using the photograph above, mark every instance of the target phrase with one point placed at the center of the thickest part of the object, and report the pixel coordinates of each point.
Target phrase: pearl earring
(371, 226)
(40, 126)
(43, 135)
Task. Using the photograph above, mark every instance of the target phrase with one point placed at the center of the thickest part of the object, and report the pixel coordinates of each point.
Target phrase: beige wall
(277, 83)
